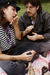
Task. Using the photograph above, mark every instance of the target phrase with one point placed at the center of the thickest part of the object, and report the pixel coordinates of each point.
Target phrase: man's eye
(30, 7)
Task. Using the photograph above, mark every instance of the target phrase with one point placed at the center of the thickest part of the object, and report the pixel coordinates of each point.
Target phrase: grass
(22, 9)
(45, 6)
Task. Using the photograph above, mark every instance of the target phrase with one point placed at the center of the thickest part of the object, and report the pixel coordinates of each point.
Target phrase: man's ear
(37, 7)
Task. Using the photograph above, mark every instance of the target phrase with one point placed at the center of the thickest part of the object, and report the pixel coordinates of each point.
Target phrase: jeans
(13, 68)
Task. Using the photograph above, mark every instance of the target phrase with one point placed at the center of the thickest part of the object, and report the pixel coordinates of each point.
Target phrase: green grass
(45, 6)
(22, 10)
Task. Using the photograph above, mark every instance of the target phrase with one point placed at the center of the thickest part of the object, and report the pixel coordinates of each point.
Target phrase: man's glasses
(30, 8)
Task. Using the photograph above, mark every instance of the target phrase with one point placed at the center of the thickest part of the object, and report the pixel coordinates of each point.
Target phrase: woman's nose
(15, 13)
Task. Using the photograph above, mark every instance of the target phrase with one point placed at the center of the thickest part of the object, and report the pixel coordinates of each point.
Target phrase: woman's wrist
(15, 25)
(16, 57)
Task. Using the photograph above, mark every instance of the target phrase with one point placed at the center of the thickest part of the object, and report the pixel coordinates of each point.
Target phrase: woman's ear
(3, 9)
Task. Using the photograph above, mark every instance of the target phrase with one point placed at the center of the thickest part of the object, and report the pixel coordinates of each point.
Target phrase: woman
(12, 57)
(9, 31)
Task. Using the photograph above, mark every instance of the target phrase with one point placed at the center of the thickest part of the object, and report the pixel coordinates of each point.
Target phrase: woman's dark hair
(2, 18)
(34, 3)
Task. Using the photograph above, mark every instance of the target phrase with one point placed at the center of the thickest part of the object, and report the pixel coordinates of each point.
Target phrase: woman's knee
(12, 68)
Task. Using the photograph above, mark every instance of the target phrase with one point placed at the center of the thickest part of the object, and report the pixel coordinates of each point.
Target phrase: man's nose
(28, 9)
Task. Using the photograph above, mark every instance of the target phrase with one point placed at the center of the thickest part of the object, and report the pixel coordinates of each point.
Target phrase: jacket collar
(29, 20)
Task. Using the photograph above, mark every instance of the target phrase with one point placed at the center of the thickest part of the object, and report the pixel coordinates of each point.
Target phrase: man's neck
(34, 17)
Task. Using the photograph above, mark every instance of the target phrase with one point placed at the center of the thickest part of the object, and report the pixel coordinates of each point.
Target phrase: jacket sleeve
(47, 27)
(21, 23)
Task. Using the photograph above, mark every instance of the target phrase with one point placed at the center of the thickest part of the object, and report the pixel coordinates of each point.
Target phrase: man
(35, 24)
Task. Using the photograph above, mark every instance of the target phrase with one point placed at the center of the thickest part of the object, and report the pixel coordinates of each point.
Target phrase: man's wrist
(40, 37)
(24, 33)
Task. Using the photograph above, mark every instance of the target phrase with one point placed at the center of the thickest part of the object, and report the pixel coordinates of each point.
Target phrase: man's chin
(29, 15)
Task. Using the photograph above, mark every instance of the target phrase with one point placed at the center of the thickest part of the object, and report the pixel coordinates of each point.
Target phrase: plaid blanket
(2, 72)
(40, 64)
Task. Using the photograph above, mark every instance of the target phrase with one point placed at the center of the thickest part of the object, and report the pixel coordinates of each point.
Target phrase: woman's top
(7, 37)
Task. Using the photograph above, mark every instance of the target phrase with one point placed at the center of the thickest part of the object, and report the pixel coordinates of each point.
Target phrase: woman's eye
(13, 9)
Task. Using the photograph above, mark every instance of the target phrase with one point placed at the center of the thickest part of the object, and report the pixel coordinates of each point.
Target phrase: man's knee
(45, 46)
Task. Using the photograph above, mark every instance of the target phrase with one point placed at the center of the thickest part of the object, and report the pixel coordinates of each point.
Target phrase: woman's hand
(16, 28)
(14, 21)
(24, 56)
(27, 57)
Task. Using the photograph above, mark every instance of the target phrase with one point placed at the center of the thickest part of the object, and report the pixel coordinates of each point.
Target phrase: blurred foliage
(45, 6)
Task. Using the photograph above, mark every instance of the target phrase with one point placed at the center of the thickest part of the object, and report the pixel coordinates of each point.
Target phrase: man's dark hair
(34, 3)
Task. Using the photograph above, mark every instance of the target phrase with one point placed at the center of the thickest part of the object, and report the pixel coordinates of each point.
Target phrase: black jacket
(42, 26)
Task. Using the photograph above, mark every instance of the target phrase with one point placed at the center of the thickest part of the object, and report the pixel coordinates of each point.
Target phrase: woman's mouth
(14, 16)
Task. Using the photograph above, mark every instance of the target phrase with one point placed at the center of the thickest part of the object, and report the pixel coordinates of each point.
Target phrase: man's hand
(27, 30)
(35, 37)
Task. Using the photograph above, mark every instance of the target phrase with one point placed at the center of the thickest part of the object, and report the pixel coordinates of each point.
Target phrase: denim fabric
(13, 68)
